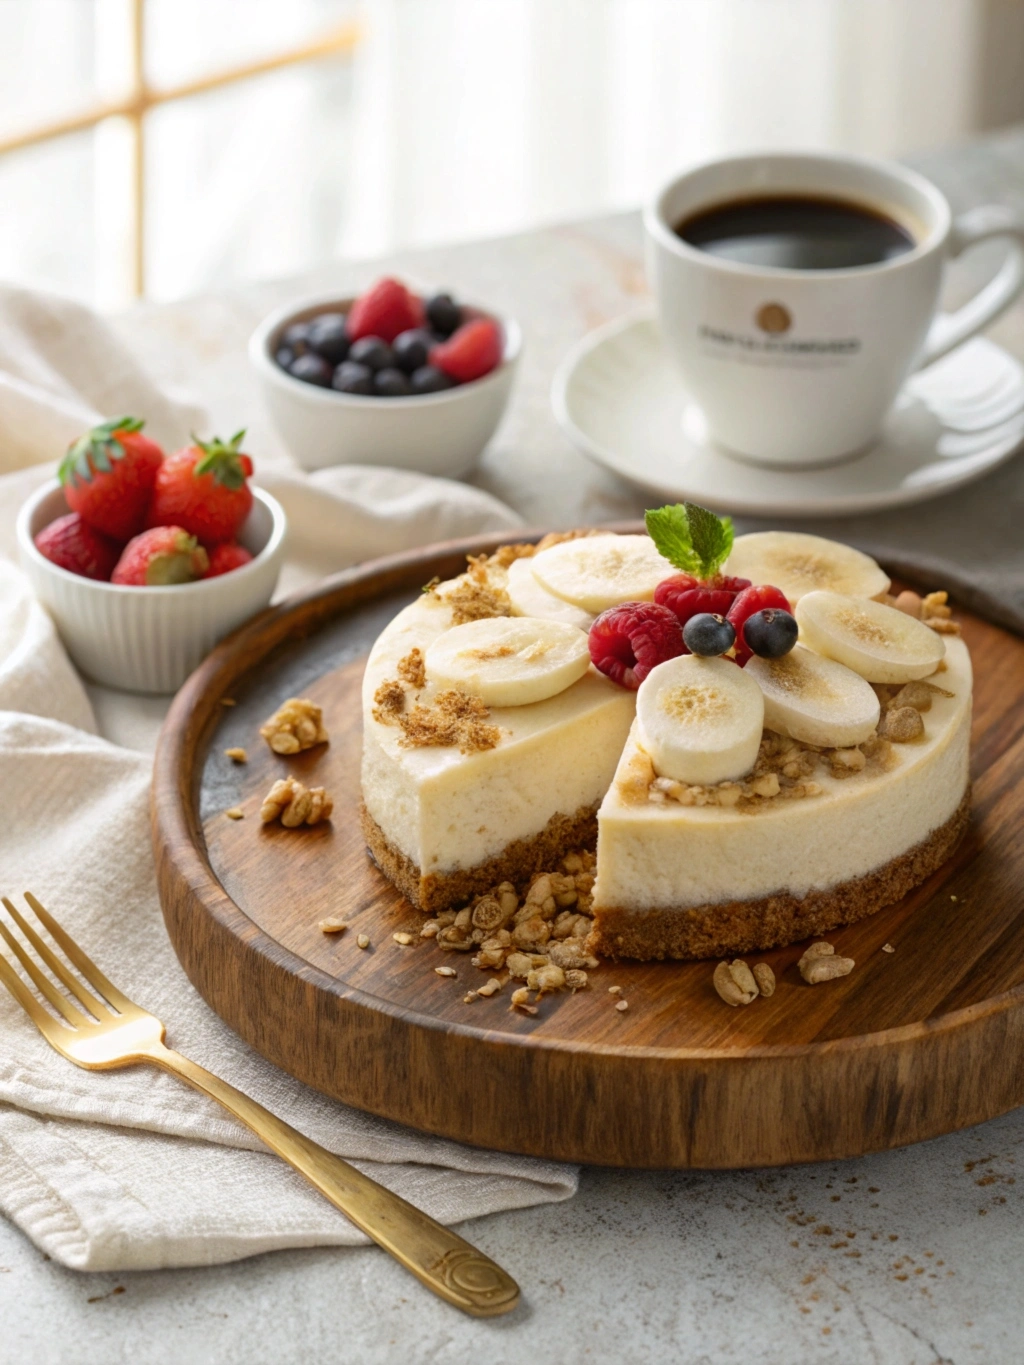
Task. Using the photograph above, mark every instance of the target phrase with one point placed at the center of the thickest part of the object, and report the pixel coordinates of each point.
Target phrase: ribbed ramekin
(149, 639)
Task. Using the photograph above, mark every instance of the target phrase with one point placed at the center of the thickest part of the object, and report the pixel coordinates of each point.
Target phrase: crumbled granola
(933, 609)
(454, 719)
(235, 813)
(295, 804)
(362, 940)
(402, 938)
(473, 596)
(296, 725)
(412, 669)
(333, 926)
(388, 702)
(236, 755)
(622, 1006)
(901, 724)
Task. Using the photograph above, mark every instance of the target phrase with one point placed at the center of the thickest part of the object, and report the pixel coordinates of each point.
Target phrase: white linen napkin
(131, 1169)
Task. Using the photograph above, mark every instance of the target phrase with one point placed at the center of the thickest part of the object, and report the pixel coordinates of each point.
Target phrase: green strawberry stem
(221, 459)
(692, 539)
(97, 449)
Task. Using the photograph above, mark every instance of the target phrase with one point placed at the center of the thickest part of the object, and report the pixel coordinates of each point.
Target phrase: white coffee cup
(800, 367)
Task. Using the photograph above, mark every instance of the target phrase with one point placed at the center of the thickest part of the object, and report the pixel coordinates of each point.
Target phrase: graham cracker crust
(752, 926)
(518, 862)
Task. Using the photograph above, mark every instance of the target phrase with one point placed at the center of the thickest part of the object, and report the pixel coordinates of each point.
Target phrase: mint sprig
(692, 539)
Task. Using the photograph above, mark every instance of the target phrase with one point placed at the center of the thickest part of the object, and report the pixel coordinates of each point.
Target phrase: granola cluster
(295, 804)
(538, 939)
(475, 595)
(452, 718)
(296, 725)
(933, 609)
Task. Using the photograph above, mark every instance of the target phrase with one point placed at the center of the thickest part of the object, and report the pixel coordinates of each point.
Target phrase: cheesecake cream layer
(659, 857)
(443, 812)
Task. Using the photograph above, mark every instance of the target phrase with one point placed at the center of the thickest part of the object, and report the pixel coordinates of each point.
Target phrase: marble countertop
(912, 1257)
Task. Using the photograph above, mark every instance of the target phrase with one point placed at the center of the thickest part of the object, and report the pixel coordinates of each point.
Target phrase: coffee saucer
(619, 399)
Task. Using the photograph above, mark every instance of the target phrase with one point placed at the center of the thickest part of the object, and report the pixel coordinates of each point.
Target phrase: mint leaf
(711, 538)
(669, 528)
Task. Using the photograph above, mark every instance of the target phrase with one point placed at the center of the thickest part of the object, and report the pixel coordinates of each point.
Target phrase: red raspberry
(159, 557)
(627, 641)
(688, 596)
(471, 352)
(383, 311)
(225, 557)
(746, 603)
(72, 544)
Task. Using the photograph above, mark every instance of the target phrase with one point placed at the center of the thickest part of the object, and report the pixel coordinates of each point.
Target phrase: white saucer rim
(835, 505)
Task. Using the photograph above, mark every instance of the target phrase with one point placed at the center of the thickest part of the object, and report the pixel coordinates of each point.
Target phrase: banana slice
(878, 642)
(700, 719)
(798, 563)
(597, 572)
(528, 598)
(815, 699)
(509, 660)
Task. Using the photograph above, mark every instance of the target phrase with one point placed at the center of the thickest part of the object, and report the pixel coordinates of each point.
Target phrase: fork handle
(440, 1259)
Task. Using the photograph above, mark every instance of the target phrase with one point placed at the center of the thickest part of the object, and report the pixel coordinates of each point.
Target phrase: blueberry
(708, 635)
(327, 336)
(285, 357)
(429, 379)
(771, 632)
(443, 314)
(412, 348)
(391, 383)
(311, 369)
(296, 337)
(351, 377)
(373, 352)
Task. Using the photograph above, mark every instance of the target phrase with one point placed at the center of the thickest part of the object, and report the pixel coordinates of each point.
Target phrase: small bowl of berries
(146, 560)
(392, 377)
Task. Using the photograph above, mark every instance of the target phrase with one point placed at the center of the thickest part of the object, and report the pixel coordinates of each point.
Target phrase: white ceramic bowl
(149, 639)
(435, 433)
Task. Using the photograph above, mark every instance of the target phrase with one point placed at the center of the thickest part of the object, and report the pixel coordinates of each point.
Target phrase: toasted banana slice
(798, 563)
(597, 572)
(528, 598)
(509, 660)
(815, 699)
(878, 642)
(700, 719)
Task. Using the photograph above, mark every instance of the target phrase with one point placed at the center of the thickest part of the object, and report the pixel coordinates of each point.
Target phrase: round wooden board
(912, 1044)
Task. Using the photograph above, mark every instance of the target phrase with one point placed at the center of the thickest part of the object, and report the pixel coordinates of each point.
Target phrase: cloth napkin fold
(131, 1169)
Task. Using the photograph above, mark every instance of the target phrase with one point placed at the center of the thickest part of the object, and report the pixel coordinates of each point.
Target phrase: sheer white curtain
(478, 116)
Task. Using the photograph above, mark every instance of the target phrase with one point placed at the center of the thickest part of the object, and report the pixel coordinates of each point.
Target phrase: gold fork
(106, 1030)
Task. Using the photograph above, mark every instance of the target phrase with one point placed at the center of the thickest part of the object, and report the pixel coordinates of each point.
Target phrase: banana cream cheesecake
(764, 743)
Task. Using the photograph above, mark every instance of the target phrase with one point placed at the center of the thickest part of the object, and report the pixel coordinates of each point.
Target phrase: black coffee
(793, 232)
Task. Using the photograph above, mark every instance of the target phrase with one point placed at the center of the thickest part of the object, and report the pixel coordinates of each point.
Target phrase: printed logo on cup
(774, 318)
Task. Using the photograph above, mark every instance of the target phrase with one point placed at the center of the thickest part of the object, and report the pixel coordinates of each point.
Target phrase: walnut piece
(294, 804)
(820, 963)
(735, 982)
(296, 725)
(765, 978)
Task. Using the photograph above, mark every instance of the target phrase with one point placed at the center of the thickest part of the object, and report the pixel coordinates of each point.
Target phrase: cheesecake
(760, 741)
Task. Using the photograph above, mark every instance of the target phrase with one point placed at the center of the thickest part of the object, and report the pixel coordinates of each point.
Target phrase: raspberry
(384, 311)
(627, 641)
(749, 601)
(471, 352)
(687, 596)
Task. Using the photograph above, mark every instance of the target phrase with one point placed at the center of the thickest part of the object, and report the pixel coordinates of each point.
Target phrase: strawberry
(203, 489)
(73, 544)
(108, 476)
(225, 557)
(471, 352)
(383, 311)
(163, 555)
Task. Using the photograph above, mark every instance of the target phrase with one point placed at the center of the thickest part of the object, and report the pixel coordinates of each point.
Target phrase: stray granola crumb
(489, 988)
(333, 926)
(403, 939)
(228, 701)
(614, 990)
(236, 755)
(576, 980)
(363, 941)
(888, 948)
(235, 813)
(446, 971)
(296, 725)
(470, 997)
(622, 1005)
(293, 804)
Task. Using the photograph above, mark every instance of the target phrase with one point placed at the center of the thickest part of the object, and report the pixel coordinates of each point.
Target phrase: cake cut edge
(431, 892)
(721, 930)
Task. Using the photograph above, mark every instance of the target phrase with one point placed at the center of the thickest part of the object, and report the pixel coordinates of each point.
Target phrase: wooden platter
(912, 1044)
